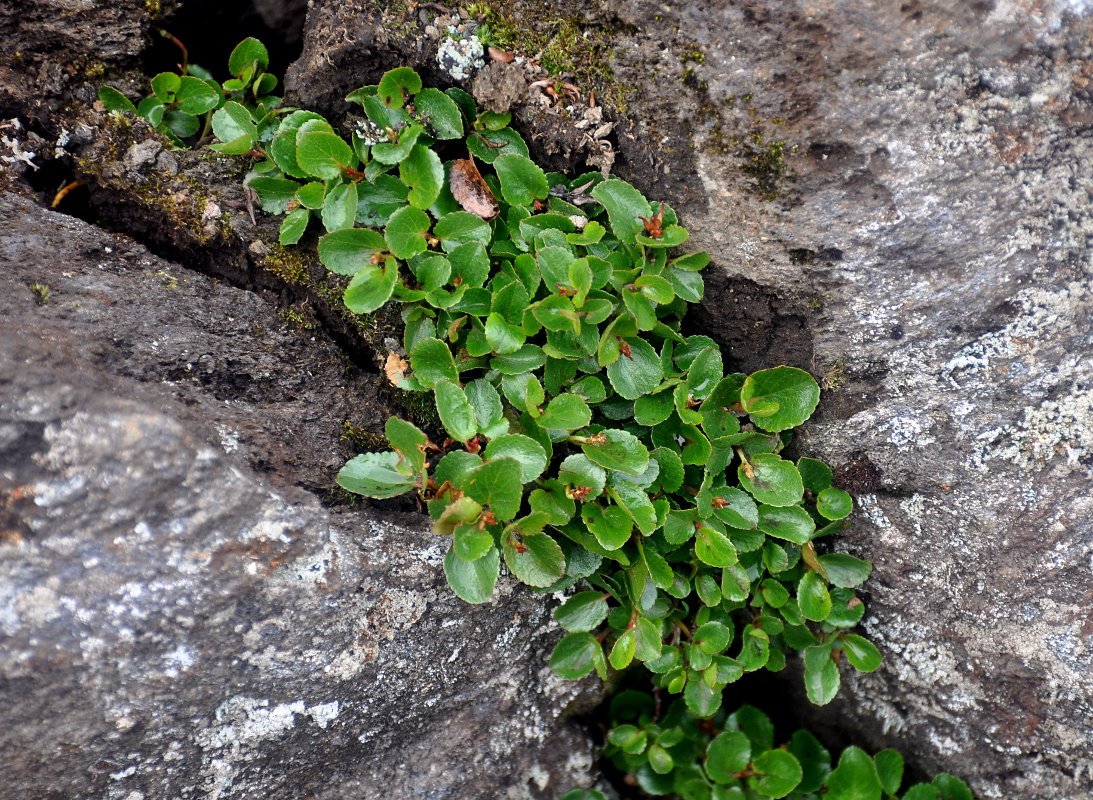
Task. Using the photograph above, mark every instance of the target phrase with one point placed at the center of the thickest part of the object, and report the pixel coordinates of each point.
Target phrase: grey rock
(178, 617)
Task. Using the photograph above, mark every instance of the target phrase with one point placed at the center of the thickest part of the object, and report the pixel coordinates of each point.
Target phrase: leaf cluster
(590, 445)
(588, 438)
(182, 104)
(734, 756)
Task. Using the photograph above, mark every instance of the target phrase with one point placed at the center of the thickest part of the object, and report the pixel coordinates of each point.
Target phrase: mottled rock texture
(897, 197)
(178, 618)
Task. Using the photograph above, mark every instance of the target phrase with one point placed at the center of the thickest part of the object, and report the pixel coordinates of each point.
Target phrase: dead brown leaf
(470, 190)
(395, 368)
(500, 55)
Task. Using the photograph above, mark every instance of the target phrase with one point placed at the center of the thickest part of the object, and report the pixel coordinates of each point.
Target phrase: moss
(152, 7)
(833, 375)
(169, 281)
(692, 53)
(295, 318)
(765, 162)
(691, 80)
(566, 44)
(289, 265)
(40, 291)
(363, 440)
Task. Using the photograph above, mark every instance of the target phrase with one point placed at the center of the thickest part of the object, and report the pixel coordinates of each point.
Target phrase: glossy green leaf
(702, 701)
(522, 180)
(248, 52)
(622, 652)
(195, 96)
(470, 543)
(777, 773)
(113, 100)
(584, 611)
(461, 227)
(773, 481)
(814, 759)
(274, 194)
(634, 500)
(440, 112)
(860, 652)
(845, 570)
(371, 287)
(181, 125)
(488, 145)
(422, 171)
(624, 205)
(889, 764)
(501, 336)
(346, 251)
(455, 411)
(647, 642)
(535, 560)
(855, 777)
(821, 675)
(432, 362)
(455, 466)
(293, 226)
(816, 475)
(377, 201)
(791, 523)
(727, 754)
(410, 442)
(575, 656)
(610, 525)
(232, 124)
(779, 398)
(394, 152)
(397, 85)
(524, 450)
(638, 372)
(618, 450)
(566, 412)
(405, 232)
(834, 503)
(473, 581)
(714, 548)
(712, 638)
(951, 787)
(494, 484)
(578, 471)
(340, 207)
(813, 597)
(525, 359)
(323, 154)
(375, 475)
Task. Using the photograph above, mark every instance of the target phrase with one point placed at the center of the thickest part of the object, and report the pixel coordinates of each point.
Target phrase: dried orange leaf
(500, 55)
(395, 368)
(470, 190)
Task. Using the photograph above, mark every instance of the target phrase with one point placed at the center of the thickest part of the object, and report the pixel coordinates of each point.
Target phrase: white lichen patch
(1062, 427)
(460, 57)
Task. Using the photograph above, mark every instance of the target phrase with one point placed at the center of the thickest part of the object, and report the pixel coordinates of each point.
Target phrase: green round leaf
(346, 251)
(195, 96)
(473, 581)
(660, 760)
(861, 652)
(844, 570)
(469, 543)
(424, 173)
(579, 472)
(527, 358)
(396, 85)
(527, 452)
(164, 86)
(779, 398)
(440, 112)
(855, 778)
(232, 124)
(791, 523)
(834, 503)
(620, 451)
(702, 701)
(405, 232)
(712, 638)
(584, 611)
(951, 787)
(816, 475)
(274, 194)
(622, 653)
(813, 597)
(714, 548)
(639, 372)
(535, 560)
(493, 484)
(575, 656)
(522, 181)
(371, 287)
(432, 362)
(394, 152)
(822, 678)
(610, 525)
(408, 441)
(624, 205)
(889, 765)
(461, 227)
(294, 225)
(322, 154)
(814, 759)
(777, 773)
(340, 207)
(245, 54)
(727, 754)
(455, 411)
(648, 644)
(566, 412)
(375, 475)
(180, 124)
(773, 481)
(501, 336)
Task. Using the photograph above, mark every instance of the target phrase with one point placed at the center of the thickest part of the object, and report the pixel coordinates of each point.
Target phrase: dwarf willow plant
(180, 101)
(734, 757)
(589, 441)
